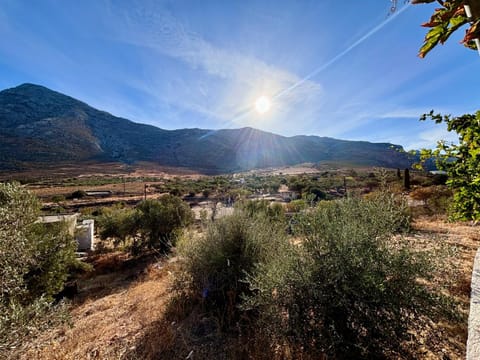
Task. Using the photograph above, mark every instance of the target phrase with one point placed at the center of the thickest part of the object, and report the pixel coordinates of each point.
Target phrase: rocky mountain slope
(40, 126)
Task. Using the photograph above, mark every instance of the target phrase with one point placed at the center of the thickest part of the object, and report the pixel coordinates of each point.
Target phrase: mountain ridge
(39, 125)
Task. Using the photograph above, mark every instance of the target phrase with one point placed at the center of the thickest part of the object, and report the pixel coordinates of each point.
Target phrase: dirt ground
(85, 169)
(455, 246)
(121, 300)
(113, 307)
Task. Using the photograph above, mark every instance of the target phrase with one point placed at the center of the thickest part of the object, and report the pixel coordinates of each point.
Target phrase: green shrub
(216, 265)
(159, 220)
(296, 206)
(19, 209)
(117, 223)
(58, 198)
(20, 323)
(35, 261)
(176, 192)
(153, 224)
(52, 261)
(348, 290)
(253, 208)
(316, 193)
(77, 194)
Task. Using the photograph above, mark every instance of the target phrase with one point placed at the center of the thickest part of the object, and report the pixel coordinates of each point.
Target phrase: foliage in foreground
(19, 323)
(216, 265)
(447, 19)
(461, 162)
(344, 287)
(35, 261)
(348, 291)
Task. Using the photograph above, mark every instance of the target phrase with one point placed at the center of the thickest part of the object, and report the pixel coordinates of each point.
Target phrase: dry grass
(125, 310)
(111, 313)
(454, 245)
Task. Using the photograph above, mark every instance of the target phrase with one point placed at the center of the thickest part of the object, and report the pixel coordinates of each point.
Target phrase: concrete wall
(70, 220)
(473, 342)
(84, 234)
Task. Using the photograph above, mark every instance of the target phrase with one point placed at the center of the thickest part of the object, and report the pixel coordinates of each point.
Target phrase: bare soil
(86, 169)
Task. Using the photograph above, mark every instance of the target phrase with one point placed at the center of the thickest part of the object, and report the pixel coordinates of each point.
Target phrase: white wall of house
(70, 220)
(84, 234)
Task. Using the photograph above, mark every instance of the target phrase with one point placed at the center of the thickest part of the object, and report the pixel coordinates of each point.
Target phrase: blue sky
(343, 69)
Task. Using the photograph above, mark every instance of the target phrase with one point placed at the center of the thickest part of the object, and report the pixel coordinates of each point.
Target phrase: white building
(83, 233)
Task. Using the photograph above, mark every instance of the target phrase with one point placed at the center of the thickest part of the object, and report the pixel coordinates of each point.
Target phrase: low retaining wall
(473, 342)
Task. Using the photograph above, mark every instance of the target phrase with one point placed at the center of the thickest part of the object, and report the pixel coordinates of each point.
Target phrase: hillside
(39, 126)
(121, 310)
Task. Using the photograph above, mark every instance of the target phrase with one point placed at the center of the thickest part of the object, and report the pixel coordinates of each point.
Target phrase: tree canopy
(461, 162)
(35, 261)
(153, 224)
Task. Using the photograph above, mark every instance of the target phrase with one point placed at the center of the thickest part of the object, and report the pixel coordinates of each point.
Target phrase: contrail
(342, 54)
(244, 112)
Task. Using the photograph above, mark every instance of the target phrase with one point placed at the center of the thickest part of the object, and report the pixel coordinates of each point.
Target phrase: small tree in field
(158, 220)
(119, 224)
(153, 224)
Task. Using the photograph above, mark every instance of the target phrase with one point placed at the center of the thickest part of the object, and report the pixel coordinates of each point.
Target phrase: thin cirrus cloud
(241, 78)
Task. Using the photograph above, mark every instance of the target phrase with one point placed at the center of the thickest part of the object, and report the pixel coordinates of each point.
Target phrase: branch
(425, 1)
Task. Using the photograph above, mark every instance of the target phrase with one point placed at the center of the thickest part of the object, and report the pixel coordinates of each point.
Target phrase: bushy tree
(118, 223)
(317, 193)
(158, 221)
(346, 291)
(217, 264)
(153, 224)
(35, 261)
(254, 208)
(18, 211)
(53, 260)
(77, 194)
(461, 161)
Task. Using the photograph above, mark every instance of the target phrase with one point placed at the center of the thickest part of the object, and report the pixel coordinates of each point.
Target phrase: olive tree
(35, 261)
(153, 224)
(159, 219)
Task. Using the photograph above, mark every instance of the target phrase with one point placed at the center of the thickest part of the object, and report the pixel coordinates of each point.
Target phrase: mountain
(41, 126)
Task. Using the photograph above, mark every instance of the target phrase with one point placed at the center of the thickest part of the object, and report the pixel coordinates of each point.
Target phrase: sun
(263, 104)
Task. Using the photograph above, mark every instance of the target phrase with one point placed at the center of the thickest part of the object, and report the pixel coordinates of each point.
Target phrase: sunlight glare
(263, 104)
